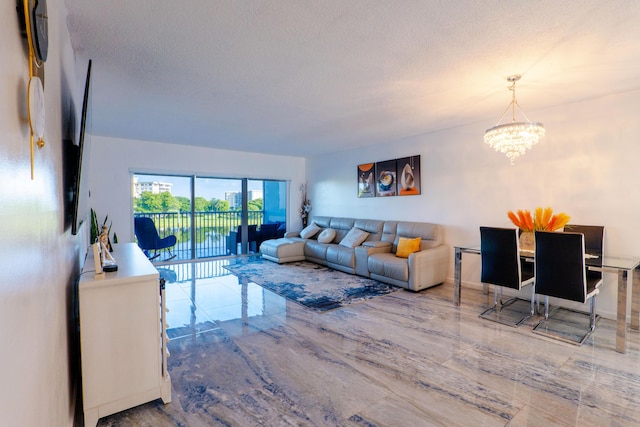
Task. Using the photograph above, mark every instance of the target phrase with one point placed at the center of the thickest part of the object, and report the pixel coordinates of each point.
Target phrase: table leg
(457, 278)
(621, 327)
(635, 299)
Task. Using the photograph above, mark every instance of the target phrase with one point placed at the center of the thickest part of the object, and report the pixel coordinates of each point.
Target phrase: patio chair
(149, 239)
(235, 237)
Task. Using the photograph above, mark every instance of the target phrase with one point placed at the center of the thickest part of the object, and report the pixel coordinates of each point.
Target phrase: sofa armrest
(428, 267)
(362, 255)
(292, 234)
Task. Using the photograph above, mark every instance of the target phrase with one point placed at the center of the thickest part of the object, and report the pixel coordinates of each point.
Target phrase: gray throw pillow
(354, 238)
(327, 235)
(309, 231)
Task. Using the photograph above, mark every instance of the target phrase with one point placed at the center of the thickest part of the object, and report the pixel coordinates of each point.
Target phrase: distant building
(152, 186)
(235, 197)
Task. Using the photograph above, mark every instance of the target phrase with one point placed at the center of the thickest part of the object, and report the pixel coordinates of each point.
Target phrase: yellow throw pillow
(407, 246)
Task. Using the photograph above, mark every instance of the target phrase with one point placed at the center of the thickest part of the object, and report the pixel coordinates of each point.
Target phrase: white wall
(587, 166)
(39, 258)
(113, 160)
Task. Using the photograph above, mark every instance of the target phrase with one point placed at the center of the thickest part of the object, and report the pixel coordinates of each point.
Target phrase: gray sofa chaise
(367, 248)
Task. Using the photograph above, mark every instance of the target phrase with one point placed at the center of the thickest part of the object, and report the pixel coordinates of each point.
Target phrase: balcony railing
(206, 232)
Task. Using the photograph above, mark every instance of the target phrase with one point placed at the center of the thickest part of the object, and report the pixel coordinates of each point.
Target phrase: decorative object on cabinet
(97, 229)
(107, 261)
(514, 138)
(366, 187)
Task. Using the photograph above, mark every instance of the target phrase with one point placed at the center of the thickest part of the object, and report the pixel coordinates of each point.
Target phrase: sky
(205, 187)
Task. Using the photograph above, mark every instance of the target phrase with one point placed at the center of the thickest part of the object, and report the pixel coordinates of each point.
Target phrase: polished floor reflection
(243, 356)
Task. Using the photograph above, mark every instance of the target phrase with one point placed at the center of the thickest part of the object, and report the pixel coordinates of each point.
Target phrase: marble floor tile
(244, 356)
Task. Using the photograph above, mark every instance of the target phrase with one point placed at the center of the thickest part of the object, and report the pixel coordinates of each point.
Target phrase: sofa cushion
(315, 249)
(371, 226)
(389, 265)
(327, 235)
(341, 255)
(431, 234)
(309, 231)
(354, 238)
(407, 246)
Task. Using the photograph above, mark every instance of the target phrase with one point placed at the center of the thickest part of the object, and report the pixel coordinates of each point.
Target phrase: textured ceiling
(306, 77)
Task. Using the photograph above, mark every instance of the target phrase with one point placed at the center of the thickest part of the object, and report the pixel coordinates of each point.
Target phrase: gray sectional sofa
(375, 256)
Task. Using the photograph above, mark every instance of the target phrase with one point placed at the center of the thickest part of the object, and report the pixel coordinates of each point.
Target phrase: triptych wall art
(399, 177)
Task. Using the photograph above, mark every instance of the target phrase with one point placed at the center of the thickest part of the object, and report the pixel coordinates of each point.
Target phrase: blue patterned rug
(314, 286)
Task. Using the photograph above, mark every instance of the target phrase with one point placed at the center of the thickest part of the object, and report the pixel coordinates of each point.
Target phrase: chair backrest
(593, 237)
(268, 231)
(560, 268)
(252, 233)
(146, 232)
(500, 254)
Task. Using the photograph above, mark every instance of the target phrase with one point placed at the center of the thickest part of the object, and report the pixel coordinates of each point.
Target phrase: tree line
(167, 202)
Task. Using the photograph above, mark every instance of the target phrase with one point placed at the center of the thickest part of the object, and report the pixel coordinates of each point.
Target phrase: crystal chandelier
(514, 138)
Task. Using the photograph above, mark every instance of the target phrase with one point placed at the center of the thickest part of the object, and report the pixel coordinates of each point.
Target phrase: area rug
(314, 286)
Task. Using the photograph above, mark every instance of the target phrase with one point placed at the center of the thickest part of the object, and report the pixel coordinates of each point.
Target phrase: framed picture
(408, 174)
(366, 186)
(386, 184)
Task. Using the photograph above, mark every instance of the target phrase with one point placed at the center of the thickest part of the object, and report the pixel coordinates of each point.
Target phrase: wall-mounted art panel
(408, 175)
(366, 180)
(386, 183)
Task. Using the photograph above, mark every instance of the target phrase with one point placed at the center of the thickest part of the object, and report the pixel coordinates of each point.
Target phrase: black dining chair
(503, 268)
(561, 272)
(593, 237)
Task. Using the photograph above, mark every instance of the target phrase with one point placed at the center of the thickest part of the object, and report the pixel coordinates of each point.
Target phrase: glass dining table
(621, 265)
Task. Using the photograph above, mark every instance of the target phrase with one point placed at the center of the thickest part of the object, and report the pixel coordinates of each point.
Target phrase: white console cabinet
(122, 335)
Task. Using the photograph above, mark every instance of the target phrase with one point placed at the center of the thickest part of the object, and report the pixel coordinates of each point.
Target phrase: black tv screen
(81, 190)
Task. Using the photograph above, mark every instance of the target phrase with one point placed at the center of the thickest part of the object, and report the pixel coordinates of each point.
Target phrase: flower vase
(304, 222)
(527, 241)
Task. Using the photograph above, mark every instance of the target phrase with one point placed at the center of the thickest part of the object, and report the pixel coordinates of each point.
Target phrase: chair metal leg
(533, 297)
(593, 319)
(500, 312)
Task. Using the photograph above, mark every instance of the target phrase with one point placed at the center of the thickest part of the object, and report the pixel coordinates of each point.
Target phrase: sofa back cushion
(371, 226)
(321, 221)
(389, 230)
(431, 234)
(342, 227)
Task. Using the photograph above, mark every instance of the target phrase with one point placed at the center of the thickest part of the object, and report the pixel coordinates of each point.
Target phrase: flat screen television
(81, 181)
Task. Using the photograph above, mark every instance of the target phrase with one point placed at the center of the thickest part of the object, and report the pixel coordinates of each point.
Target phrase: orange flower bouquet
(541, 220)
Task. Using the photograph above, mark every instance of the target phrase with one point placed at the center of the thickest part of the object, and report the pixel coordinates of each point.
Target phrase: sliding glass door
(212, 216)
